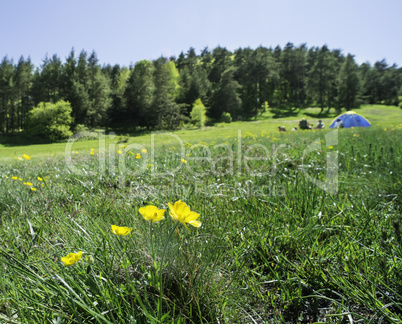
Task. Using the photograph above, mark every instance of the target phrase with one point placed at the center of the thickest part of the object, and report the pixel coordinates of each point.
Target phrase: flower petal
(195, 223)
(78, 256)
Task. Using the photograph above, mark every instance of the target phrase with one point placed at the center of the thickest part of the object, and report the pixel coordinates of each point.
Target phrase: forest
(164, 94)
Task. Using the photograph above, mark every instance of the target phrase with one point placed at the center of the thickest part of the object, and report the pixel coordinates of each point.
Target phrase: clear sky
(126, 31)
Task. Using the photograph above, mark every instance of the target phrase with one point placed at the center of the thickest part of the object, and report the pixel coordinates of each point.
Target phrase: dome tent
(351, 119)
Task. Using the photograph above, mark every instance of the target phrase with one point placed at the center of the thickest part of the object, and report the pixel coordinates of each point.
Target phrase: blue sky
(124, 32)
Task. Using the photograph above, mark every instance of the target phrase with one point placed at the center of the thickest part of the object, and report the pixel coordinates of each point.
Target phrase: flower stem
(161, 270)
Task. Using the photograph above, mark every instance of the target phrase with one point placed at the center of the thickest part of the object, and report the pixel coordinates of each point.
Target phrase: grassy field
(302, 227)
(379, 116)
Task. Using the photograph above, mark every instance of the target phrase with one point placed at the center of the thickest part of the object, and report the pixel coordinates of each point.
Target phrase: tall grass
(273, 247)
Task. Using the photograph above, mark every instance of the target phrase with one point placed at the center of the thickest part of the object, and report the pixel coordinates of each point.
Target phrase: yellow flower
(28, 184)
(20, 158)
(26, 156)
(152, 213)
(144, 151)
(71, 258)
(120, 152)
(138, 156)
(182, 213)
(33, 189)
(40, 179)
(183, 160)
(19, 179)
(14, 178)
(330, 147)
(92, 152)
(121, 230)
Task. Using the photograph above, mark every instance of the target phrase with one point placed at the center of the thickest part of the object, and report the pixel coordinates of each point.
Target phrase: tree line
(161, 94)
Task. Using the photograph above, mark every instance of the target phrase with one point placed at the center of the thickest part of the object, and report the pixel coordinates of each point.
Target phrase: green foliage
(226, 117)
(264, 108)
(164, 112)
(50, 122)
(79, 128)
(348, 84)
(174, 77)
(226, 96)
(160, 94)
(139, 95)
(198, 113)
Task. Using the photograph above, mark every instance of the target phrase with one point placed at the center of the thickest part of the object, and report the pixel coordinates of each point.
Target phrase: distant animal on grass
(294, 129)
(282, 128)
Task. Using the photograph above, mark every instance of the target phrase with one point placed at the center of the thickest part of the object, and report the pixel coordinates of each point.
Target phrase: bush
(226, 118)
(198, 113)
(80, 128)
(50, 121)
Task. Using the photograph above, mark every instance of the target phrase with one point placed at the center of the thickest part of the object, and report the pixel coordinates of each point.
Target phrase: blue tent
(351, 119)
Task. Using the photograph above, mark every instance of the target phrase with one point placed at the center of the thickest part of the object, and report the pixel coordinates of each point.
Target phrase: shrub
(226, 118)
(198, 113)
(80, 128)
(50, 121)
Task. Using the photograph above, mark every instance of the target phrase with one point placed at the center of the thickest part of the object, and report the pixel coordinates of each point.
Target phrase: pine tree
(119, 80)
(6, 94)
(138, 96)
(348, 83)
(73, 90)
(226, 97)
(23, 79)
(98, 93)
(163, 105)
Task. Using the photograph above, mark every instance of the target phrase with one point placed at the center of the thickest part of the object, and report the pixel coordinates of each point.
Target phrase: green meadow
(295, 227)
(379, 115)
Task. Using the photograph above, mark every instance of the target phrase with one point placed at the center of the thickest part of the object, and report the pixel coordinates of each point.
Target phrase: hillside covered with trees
(162, 94)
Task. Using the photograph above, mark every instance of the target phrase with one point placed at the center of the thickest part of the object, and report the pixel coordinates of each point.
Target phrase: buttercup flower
(138, 156)
(182, 213)
(40, 179)
(121, 230)
(120, 152)
(14, 178)
(152, 213)
(183, 160)
(33, 189)
(26, 156)
(144, 151)
(71, 258)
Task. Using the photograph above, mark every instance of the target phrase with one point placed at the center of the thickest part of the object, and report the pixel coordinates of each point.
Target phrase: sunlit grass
(271, 246)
